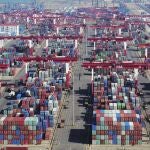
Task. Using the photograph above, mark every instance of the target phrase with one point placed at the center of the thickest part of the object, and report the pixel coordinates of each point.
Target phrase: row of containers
(117, 117)
(29, 116)
(107, 53)
(32, 116)
(52, 74)
(25, 130)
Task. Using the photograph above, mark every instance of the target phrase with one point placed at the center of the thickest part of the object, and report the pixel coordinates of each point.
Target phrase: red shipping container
(102, 141)
(5, 132)
(110, 137)
(118, 132)
(26, 127)
(110, 128)
(22, 142)
(34, 133)
(97, 132)
(97, 119)
(1, 142)
(26, 142)
(1, 127)
(101, 132)
(5, 136)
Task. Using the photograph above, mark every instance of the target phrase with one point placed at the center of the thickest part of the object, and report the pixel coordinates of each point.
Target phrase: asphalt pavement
(75, 135)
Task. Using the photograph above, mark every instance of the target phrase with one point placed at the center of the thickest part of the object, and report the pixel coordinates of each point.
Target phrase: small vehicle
(61, 124)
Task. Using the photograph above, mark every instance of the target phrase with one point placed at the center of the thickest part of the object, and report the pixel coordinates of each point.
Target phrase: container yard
(74, 75)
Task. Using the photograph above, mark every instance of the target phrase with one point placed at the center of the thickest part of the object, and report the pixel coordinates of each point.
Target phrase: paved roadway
(118, 147)
(75, 137)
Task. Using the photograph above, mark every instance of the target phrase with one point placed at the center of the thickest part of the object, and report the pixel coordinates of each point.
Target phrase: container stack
(104, 55)
(35, 117)
(20, 130)
(116, 127)
(39, 100)
(55, 74)
(116, 119)
(37, 104)
(61, 48)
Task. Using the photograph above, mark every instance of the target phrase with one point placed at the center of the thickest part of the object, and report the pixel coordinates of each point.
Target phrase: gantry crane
(113, 64)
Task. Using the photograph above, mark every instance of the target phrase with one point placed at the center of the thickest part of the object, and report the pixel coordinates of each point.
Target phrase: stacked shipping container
(37, 113)
(116, 127)
(20, 130)
(115, 119)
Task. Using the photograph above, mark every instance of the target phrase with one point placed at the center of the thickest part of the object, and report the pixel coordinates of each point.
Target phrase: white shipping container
(40, 74)
(114, 97)
(115, 106)
(2, 120)
(6, 142)
(29, 79)
(110, 142)
(131, 125)
(123, 133)
(46, 74)
(26, 121)
(94, 142)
